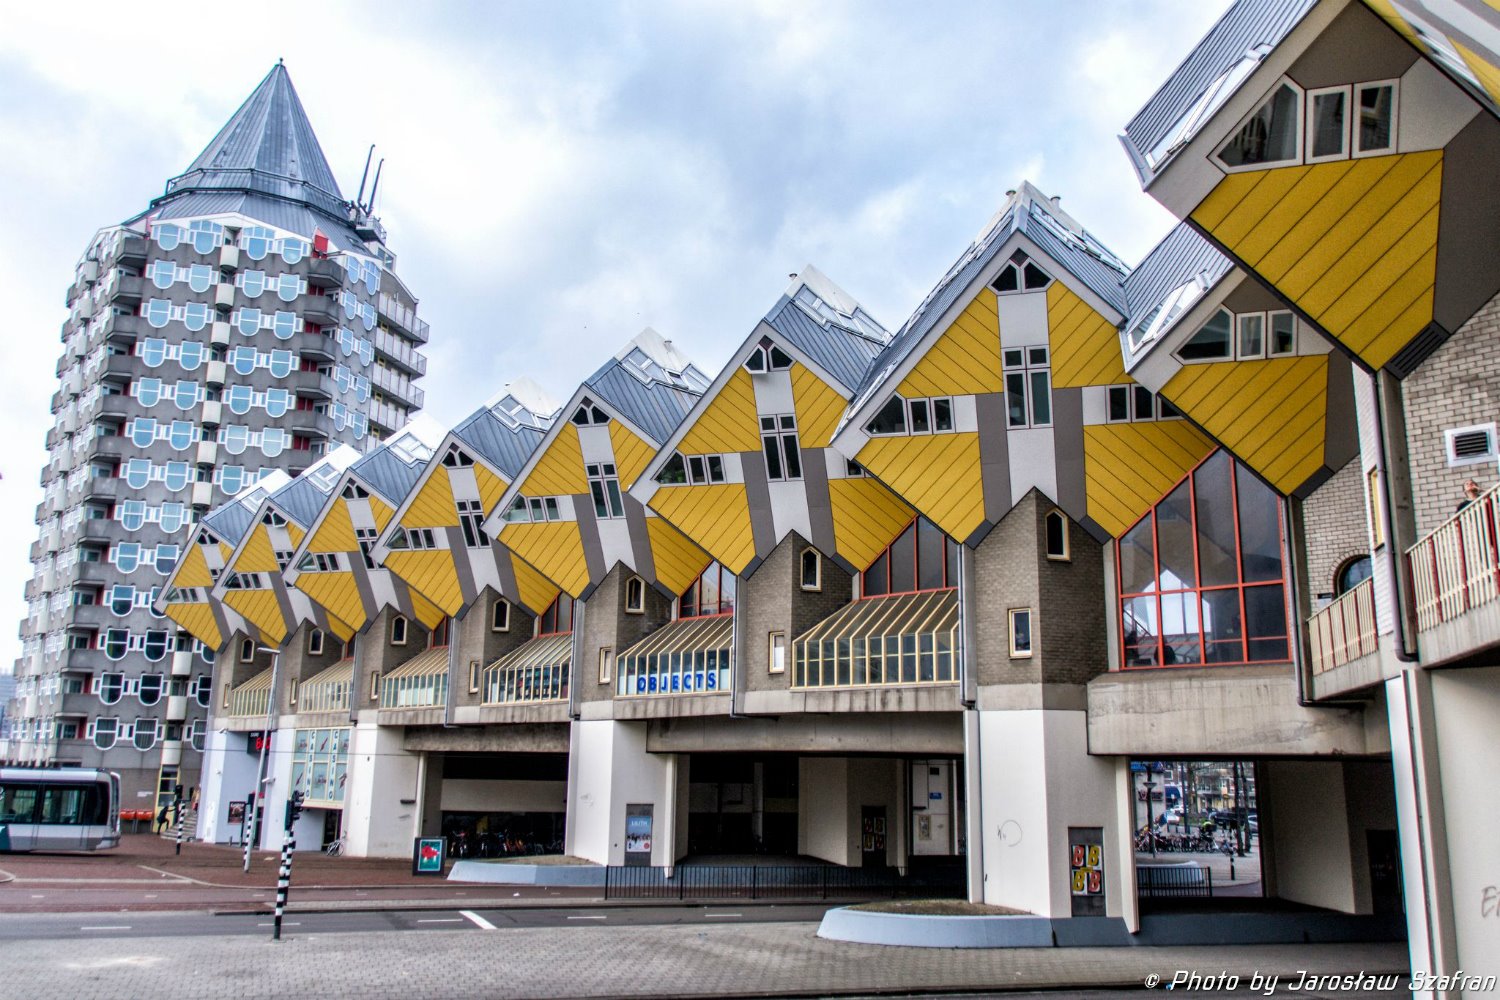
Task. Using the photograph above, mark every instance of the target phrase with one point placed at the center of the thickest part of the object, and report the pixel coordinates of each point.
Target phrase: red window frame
(689, 605)
(1123, 598)
(552, 621)
(950, 548)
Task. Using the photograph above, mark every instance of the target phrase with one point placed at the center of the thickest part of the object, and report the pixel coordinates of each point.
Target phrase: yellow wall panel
(536, 592)
(426, 612)
(1128, 467)
(381, 512)
(631, 453)
(261, 609)
(336, 533)
(1353, 243)
(257, 556)
(432, 507)
(430, 573)
(716, 516)
(340, 629)
(337, 594)
(965, 359)
(199, 621)
(678, 561)
(1085, 346)
(192, 571)
(491, 487)
(938, 474)
(296, 534)
(560, 469)
(556, 549)
(866, 518)
(729, 424)
(1271, 414)
(819, 407)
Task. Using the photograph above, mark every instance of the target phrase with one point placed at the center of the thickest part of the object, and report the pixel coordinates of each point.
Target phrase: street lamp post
(258, 792)
(1150, 821)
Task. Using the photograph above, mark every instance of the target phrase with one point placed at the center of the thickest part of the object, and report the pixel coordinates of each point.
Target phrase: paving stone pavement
(596, 962)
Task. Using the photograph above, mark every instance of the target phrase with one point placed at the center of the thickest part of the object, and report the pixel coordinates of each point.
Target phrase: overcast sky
(559, 176)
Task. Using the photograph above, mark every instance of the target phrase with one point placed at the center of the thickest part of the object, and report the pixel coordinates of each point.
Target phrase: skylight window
(1160, 319)
(1201, 110)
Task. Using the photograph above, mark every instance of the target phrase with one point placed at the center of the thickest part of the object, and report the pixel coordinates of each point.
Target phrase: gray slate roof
(1088, 260)
(654, 406)
(300, 500)
(843, 353)
(1249, 23)
(383, 471)
(1180, 256)
(229, 522)
(290, 216)
(504, 447)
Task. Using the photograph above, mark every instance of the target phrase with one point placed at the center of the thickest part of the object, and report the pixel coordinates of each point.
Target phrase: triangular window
(1271, 135)
(1212, 341)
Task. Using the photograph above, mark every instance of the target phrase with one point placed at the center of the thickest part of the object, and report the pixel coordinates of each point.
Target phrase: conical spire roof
(268, 147)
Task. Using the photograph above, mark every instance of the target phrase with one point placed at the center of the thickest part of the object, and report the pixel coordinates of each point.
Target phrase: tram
(59, 809)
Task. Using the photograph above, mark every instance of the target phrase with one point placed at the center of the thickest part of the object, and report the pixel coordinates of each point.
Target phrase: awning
(420, 682)
(901, 639)
(327, 690)
(252, 697)
(686, 656)
(536, 670)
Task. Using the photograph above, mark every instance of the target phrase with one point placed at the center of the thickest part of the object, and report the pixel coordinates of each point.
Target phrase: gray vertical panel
(466, 588)
(758, 497)
(1468, 269)
(819, 505)
(588, 532)
(505, 571)
(994, 455)
(1341, 425)
(1067, 437)
(362, 581)
(640, 540)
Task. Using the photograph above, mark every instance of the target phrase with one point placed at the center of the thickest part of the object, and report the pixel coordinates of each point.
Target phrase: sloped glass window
(1212, 342)
(1270, 136)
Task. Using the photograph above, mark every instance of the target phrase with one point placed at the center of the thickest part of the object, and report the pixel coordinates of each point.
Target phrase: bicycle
(335, 847)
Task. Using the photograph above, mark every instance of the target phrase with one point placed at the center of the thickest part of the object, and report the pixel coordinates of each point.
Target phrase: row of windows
(142, 734)
(1330, 123)
(254, 283)
(694, 470)
(1137, 404)
(1242, 337)
(169, 517)
(129, 556)
(534, 510)
(913, 416)
(149, 689)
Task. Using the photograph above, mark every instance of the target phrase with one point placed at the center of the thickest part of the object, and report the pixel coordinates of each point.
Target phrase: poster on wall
(1086, 870)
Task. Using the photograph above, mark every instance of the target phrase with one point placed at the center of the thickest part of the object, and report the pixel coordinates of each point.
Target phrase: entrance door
(1385, 871)
(872, 833)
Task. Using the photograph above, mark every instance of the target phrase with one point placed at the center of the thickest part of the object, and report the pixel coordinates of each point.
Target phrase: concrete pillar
(1309, 842)
(431, 823)
(974, 821)
(823, 826)
(382, 812)
(309, 828)
(1039, 780)
(1419, 814)
(228, 776)
(609, 768)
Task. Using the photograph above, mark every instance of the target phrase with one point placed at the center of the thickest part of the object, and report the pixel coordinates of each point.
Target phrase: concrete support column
(609, 769)
(1038, 781)
(309, 828)
(228, 775)
(382, 807)
(973, 807)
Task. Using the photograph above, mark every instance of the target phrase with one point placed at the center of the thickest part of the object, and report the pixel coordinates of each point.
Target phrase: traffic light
(294, 808)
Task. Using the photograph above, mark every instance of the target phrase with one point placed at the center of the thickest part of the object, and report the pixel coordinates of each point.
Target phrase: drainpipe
(1400, 590)
(579, 608)
(453, 637)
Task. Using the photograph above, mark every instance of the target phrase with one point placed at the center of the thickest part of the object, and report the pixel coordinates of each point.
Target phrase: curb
(512, 903)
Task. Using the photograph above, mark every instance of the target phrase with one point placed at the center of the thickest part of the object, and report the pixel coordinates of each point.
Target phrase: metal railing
(1457, 566)
(1345, 630)
(777, 882)
(1173, 881)
(246, 701)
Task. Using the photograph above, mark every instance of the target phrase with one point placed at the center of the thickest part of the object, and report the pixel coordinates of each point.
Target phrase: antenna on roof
(359, 200)
(375, 187)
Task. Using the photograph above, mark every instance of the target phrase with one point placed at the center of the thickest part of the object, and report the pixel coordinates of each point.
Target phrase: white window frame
(1359, 88)
(375, 685)
(601, 480)
(1298, 134)
(606, 663)
(498, 611)
(1066, 555)
(1452, 433)
(636, 606)
(776, 436)
(776, 664)
(1026, 370)
(1012, 616)
(247, 650)
(817, 585)
(1239, 336)
(1271, 315)
(315, 642)
(474, 673)
(291, 691)
(1309, 99)
(404, 629)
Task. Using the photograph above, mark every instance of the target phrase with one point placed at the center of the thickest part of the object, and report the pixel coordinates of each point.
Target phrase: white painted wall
(228, 775)
(1038, 780)
(1466, 707)
(476, 795)
(609, 768)
(382, 796)
(822, 809)
(1310, 832)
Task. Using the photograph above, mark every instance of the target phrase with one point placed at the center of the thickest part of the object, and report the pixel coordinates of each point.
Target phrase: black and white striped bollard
(248, 833)
(283, 883)
(177, 815)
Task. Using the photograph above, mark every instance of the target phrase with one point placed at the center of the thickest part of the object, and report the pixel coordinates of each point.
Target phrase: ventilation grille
(1410, 357)
(1470, 445)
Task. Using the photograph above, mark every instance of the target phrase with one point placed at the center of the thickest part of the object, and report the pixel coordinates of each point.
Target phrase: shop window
(1020, 633)
(1201, 577)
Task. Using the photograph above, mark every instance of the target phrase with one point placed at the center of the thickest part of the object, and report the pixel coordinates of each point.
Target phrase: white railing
(1457, 567)
(1345, 630)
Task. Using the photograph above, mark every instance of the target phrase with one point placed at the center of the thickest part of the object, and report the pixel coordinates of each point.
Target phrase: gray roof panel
(230, 522)
(1246, 25)
(504, 447)
(655, 407)
(301, 500)
(843, 353)
(384, 472)
(1176, 260)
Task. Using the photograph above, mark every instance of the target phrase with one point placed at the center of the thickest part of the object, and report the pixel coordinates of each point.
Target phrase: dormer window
(1021, 274)
(457, 458)
(767, 357)
(589, 415)
(1271, 135)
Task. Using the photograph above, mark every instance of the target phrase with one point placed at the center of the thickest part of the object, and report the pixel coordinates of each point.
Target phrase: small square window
(606, 664)
(500, 616)
(375, 685)
(1020, 633)
(291, 692)
(1283, 342)
(776, 653)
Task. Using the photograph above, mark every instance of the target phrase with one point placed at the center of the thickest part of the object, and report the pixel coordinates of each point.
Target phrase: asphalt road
(89, 926)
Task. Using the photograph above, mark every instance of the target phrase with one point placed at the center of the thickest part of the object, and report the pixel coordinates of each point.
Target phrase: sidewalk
(665, 961)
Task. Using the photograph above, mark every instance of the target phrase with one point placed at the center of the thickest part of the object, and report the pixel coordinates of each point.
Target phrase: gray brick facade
(1336, 529)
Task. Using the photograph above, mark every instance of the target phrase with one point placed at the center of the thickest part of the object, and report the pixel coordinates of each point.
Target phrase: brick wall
(297, 663)
(1457, 386)
(772, 600)
(478, 641)
(606, 623)
(1005, 577)
(1336, 526)
(1068, 624)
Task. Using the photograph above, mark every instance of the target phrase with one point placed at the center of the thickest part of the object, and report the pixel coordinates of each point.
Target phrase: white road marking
(38, 896)
(476, 920)
(441, 920)
(285, 923)
(107, 927)
(597, 917)
(150, 895)
(723, 914)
